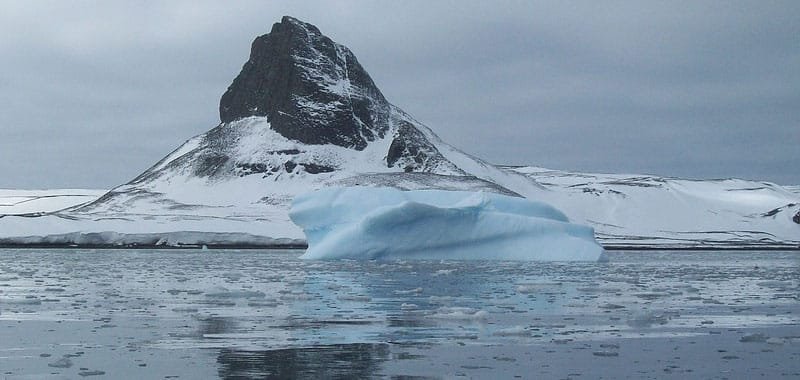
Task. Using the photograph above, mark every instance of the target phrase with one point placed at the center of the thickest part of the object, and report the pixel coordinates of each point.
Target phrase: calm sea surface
(196, 314)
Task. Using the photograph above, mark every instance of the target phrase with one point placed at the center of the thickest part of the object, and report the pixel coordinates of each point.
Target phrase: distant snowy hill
(642, 210)
(303, 114)
(32, 203)
(625, 210)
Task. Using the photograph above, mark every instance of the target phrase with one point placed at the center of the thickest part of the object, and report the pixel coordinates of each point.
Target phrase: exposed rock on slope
(298, 100)
(310, 88)
(303, 114)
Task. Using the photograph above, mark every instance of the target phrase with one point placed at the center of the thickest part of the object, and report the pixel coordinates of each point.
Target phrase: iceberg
(368, 223)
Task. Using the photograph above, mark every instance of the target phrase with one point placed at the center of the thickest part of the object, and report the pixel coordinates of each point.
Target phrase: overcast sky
(92, 93)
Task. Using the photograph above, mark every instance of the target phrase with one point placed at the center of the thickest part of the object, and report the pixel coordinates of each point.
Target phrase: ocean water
(197, 314)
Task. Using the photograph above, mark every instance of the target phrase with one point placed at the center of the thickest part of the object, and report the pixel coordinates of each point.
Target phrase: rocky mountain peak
(303, 106)
(310, 88)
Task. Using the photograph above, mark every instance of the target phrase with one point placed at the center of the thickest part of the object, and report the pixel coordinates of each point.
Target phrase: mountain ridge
(303, 115)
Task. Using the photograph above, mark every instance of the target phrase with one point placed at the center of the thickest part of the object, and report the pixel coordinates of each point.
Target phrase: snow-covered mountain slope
(649, 211)
(303, 115)
(34, 202)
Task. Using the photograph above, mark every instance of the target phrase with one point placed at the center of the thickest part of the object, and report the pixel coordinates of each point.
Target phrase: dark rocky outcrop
(310, 88)
(312, 91)
(796, 218)
(312, 168)
(411, 151)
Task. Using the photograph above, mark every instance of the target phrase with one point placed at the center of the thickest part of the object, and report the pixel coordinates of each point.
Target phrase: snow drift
(386, 223)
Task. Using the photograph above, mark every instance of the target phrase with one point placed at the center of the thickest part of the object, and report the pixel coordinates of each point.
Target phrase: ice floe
(386, 223)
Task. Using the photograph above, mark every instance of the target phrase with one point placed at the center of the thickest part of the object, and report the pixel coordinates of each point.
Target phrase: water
(256, 314)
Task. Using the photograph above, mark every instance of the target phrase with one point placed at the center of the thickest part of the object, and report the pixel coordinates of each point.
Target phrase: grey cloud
(93, 93)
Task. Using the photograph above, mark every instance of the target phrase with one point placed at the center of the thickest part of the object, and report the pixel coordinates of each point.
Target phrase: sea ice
(387, 223)
(460, 313)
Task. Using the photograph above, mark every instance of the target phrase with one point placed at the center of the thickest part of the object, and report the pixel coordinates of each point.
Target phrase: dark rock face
(313, 91)
(796, 218)
(411, 151)
(310, 88)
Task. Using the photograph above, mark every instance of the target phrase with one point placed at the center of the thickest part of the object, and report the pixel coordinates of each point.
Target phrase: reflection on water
(340, 361)
(267, 314)
(215, 325)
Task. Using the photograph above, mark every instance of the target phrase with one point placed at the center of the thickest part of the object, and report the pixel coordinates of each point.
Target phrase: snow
(472, 165)
(22, 202)
(386, 223)
(187, 147)
(170, 205)
(234, 184)
(174, 208)
(650, 211)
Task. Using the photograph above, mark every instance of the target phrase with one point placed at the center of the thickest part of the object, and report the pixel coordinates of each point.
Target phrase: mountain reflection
(340, 361)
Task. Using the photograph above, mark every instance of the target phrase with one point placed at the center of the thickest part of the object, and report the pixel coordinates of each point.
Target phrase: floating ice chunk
(387, 223)
(460, 314)
(409, 291)
(757, 337)
(648, 319)
(536, 288)
(513, 331)
(61, 363)
(296, 297)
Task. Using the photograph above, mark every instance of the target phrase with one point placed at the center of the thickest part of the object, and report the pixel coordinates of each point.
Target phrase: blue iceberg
(387, 223)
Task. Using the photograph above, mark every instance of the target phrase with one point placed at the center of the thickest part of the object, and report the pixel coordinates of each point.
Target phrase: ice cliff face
(385, 223)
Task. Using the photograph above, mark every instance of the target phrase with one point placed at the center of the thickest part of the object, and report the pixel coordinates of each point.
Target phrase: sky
(94, 92)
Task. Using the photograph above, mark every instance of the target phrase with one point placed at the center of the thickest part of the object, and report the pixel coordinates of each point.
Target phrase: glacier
(387, 223)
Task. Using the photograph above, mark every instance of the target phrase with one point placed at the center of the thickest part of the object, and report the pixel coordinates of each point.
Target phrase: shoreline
(304, 246)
